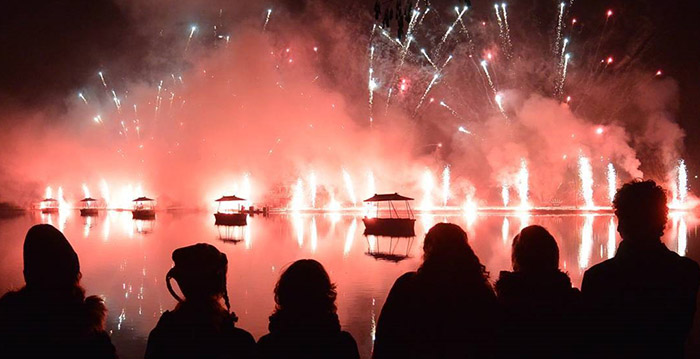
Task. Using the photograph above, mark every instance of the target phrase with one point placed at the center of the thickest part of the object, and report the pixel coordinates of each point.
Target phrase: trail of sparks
(102, 77)
(82, 97)
(453, 112)
(349, 187)
(422, 99)
(189, 38)
(422, 51)
(451, 28)
(509, 44)
(682, 182)
(371, 84)
(560, 88)
(559, 27)
(612, 182)
(523, 184)
(445, 185)
(585, 173)
(484, 66)
(267, 19)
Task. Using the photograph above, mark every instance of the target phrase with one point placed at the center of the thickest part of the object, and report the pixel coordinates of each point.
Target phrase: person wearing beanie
(199, 326)
(50, 316)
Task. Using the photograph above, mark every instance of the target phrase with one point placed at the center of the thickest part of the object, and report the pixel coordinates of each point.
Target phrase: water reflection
(129, 273)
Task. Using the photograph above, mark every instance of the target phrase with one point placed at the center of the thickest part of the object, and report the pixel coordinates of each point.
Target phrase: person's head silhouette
(50, 263)
(200, 272)
(446, 252)
(304, 288)
(641, 210)
(535, 250)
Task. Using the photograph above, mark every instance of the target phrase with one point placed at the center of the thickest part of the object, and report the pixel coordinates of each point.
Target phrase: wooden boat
(393, 225)
(88, 208)
(49, 205)
(144, 208)
(227, 214)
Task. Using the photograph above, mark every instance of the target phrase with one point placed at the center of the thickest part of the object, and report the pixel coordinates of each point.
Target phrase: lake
(125, 261)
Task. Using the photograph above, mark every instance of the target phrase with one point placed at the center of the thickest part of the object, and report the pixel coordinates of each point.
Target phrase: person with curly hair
(641, 302)
(445, 309)
(304, 323)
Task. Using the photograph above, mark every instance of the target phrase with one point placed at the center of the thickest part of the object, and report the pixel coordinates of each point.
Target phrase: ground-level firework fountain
(458, 118)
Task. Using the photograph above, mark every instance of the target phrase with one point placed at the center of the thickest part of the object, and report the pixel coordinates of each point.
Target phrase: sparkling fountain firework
(445, 185)
(585, 172)
(523, 185)
(612, 182)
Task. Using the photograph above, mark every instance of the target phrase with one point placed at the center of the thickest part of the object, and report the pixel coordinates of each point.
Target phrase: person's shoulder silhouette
(447, 308)
(50, 316)
(537, 297)
(641, 302)
(304, 323)
(199, 326)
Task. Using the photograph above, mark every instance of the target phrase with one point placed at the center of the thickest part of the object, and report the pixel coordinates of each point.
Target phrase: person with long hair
(538, 299)
(305, 323)
(50, 317)
(199, 326)
(445, 309)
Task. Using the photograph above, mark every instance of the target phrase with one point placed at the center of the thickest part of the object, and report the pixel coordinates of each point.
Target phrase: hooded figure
(537, 298)
(305, 324)
(50, 316)
(199, 326)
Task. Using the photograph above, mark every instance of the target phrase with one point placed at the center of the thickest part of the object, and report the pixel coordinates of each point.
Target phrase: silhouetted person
(199, 326)
(447, 309)
(304, 323)
(537, 298)
(641, 302)
(50, 317)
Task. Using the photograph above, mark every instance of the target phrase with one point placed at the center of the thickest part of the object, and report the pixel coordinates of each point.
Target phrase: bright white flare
(312, 189)
(505, 194)
(523, 185)
(428, 184)
(86, 191)
(682, 182)
(585, 173)
(267, 19)
(349, 187)
(612, 182)
(445, 185)
(298, 196)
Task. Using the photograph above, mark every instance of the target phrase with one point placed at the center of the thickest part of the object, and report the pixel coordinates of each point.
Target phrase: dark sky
(51, 47)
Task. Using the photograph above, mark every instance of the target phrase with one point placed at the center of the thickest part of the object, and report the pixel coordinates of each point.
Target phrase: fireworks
(349, 187)
(471, 75)
(445, 185)
(523, 185)
(267, 19)
(585, 172)
(427, 184)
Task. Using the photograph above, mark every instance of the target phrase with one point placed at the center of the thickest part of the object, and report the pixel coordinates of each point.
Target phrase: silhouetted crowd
(638, 304)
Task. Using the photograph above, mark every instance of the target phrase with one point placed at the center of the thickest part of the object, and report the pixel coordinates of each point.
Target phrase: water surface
(125, 261)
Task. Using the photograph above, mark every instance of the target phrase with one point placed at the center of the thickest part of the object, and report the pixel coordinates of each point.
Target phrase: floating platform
(144, 214)
(88, 212)
(231, 219)
(389, 227)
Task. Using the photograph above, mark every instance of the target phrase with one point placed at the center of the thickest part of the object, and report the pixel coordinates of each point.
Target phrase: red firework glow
(241, 120)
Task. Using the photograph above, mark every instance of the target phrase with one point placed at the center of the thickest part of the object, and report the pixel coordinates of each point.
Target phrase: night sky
(51, 48)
